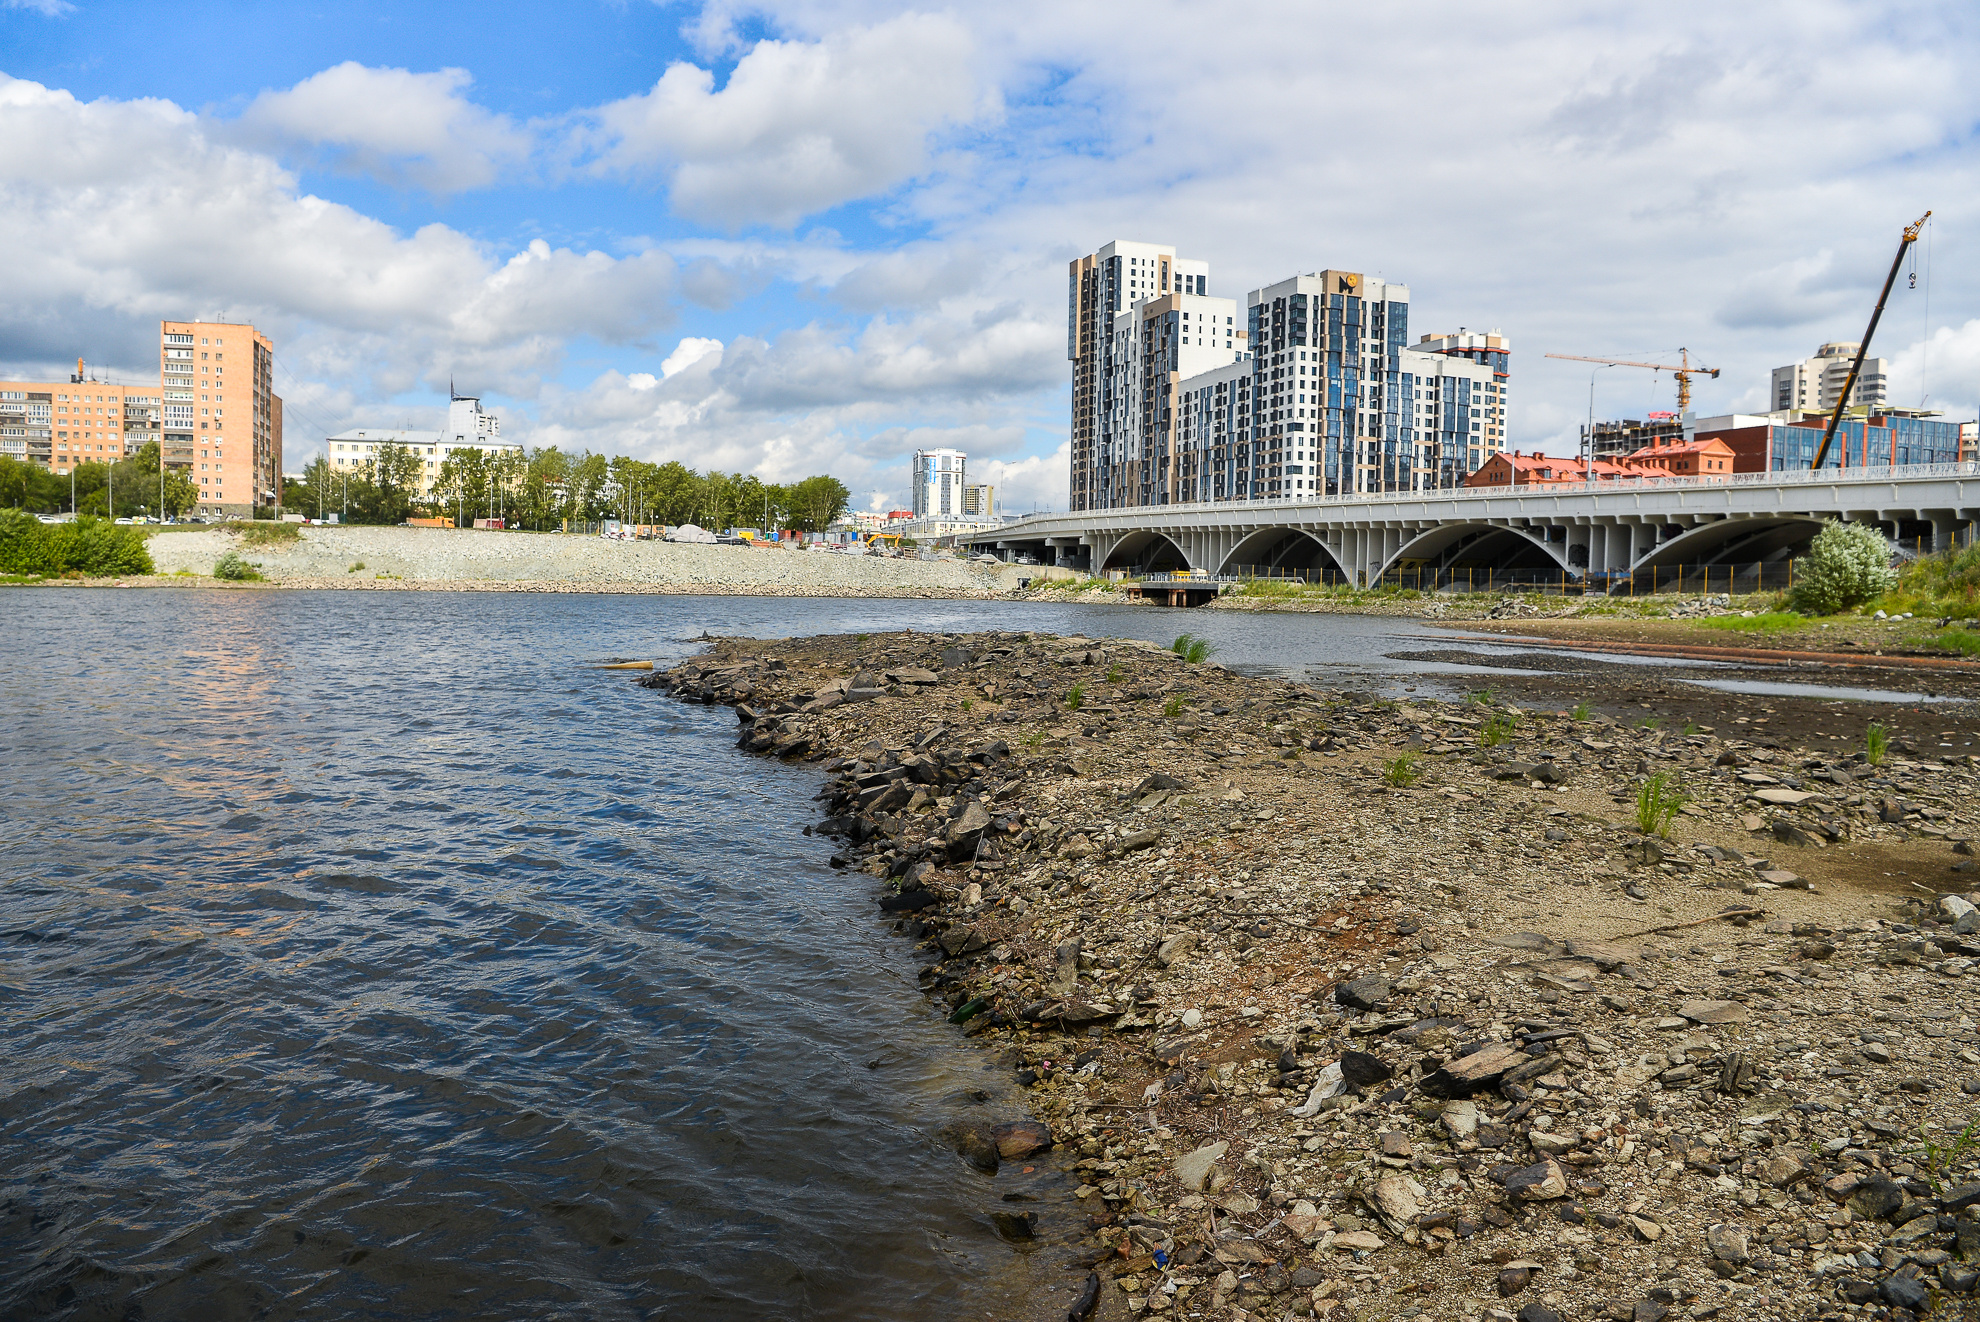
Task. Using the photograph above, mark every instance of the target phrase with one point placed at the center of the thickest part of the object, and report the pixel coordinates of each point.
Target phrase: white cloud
(799, 126)
(45, 8)
(393, 124)
(687, 353)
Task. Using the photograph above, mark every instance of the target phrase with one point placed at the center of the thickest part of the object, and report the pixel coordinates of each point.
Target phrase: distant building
(1710, 457)
(979, 500)
(1969, 441)
(1787, 441)
(59, 424)
(217, 379)
(1510, 468)
(1616, 440)
(937, 483)
(469, 427)
(1814, 383)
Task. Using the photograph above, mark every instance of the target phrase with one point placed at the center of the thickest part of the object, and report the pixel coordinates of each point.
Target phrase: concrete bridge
(1603, 531)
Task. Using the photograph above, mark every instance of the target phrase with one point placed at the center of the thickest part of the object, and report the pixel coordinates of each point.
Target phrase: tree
(1847, 565)
(816, 502)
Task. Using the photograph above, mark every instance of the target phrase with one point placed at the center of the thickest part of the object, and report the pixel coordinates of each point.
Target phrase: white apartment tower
(938, 483)
(1315, 391)
(1811, 385)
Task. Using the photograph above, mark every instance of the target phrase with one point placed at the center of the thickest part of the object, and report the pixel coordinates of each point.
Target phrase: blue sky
(811, 236)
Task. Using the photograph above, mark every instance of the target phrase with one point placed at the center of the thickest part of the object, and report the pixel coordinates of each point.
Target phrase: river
(377, 955)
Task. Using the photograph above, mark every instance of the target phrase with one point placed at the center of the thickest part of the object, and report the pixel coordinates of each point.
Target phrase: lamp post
(1588, 436)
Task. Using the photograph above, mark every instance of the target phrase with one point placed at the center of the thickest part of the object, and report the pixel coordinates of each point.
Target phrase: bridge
(1604, 531)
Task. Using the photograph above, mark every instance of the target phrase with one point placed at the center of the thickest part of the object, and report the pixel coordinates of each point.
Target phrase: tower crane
(1842, 400)
(1683, 370)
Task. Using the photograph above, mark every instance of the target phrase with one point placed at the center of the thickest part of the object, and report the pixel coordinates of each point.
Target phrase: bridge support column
(1945, 529)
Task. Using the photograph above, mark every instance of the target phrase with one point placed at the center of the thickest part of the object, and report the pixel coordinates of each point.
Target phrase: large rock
(1728, 1242)
(1713, 1012)
(1364, 993)
(966, 831)
(1362, 1070)
(1396, 1200)
(1192, 1169)
(1175, 947)
(1469, 1074)
(1538, 1182)
(1021, 1139)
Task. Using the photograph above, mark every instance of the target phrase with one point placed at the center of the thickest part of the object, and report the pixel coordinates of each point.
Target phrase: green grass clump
(1657, 802)
(1581, 711)
(1498, 729)
(1402, 770)
(1173, 707)
(1193, 649)
(1876, 744)
(354, 568)
(231, 568)
(1076, 697)
(1113, 674)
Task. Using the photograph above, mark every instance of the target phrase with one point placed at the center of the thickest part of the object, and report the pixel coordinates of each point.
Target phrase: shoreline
(1317, 1044)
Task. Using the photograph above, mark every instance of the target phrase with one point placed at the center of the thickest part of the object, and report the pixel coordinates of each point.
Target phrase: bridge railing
(1604, 486)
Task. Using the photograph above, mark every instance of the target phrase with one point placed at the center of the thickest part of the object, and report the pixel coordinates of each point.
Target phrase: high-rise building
(1813, 384)
(979, 501)
(1315, 391)
(222, 417)
(469, 427)
(59, 424)
(938, 483)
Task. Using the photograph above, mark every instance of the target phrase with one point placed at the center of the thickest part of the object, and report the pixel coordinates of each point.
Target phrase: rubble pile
(1341, 1008)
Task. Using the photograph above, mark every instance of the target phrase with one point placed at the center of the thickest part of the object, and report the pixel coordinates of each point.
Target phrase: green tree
(816, 502)
(85, 545)
(1846, 565)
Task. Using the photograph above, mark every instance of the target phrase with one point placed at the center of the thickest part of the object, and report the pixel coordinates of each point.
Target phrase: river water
(376, 955)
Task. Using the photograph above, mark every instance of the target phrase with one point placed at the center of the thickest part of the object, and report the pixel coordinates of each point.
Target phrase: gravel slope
(326, 556)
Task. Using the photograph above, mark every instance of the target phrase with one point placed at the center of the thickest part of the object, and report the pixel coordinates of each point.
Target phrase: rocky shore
(1345, 1009)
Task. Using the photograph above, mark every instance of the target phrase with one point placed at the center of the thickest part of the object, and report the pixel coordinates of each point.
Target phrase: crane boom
(1842, 400)
(1683, 370)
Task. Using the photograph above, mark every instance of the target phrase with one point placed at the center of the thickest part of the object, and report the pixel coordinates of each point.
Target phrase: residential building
(1787, 441)
(1315, 391)
(937, 480)
(469, 427)
(979, 500)
(207, 369)
(1814, 383)
(59, 424)
(1510, 468)
(1708, 457)
(1969, 441)
(1617, 440)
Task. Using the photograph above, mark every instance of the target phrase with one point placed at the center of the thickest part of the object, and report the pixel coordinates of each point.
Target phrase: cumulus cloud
(799, 126)
(393, 124)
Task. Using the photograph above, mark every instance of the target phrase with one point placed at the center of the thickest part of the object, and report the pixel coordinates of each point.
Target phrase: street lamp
(1588, 435)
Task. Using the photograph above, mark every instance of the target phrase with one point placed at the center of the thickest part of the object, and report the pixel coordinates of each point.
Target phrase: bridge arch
(1147, 551)
(1490, 546)
(1282, 550)
(1734, 541)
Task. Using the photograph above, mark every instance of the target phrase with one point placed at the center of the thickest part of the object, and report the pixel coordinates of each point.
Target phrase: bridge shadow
(1146, 553)
(1284, 552)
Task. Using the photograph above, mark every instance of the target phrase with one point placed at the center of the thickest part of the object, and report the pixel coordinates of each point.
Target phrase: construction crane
(1683, 371)
(1842, 399)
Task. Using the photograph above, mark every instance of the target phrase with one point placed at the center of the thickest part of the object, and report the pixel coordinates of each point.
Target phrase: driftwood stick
(1696, 922)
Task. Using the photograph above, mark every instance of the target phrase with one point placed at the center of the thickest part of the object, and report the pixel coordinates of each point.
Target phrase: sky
(814, 236)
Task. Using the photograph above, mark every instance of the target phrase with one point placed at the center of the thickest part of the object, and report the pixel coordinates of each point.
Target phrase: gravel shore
(375, 558)
(1462, 1042)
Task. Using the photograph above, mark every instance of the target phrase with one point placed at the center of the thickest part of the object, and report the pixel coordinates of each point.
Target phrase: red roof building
(1510, 468)
(1709, 457)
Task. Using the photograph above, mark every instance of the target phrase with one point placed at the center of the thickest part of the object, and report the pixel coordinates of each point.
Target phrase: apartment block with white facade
(469, 427)
(937, 479)
(1813, 384)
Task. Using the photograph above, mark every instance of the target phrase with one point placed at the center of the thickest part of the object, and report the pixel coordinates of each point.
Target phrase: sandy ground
(393, 557)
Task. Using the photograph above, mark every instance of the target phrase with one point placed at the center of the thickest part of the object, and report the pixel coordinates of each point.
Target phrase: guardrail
(1604, 486)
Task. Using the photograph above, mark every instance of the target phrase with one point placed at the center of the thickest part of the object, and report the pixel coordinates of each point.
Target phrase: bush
(1193, 649)
(85, 546)
(235, 570)
(1848, 564)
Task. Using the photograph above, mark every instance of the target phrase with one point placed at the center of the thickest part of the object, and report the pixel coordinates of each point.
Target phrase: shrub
(82, 547)
(1847, 564)
(235, 570)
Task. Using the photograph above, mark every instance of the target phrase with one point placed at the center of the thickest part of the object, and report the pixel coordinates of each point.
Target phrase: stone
(1646, 1230)
(1512, 1280)
(1364, 993)
(1192, 1170)
(1020, 1139)
(1468, 1074)
(1192, 1018)
(1955, 910)
(1713, 1012)
(1781, 1170)
(1538, 1313)
(1358, 1241)
(1783, 798)
(1649, 1310)
(1552, 1145)
(1728, 1242)
(966, 831)
(1916, 1229)
(974, 1144)
(1460, 1119)
(1395, 1199)
(1175, 948)
(1362, 1070)
(1905, 1292)
(1540, 1181)
(1876, 1200)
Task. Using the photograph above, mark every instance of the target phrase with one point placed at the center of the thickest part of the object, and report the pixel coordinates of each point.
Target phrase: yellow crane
(1683, 370)
(1842, 400)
